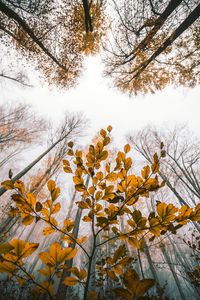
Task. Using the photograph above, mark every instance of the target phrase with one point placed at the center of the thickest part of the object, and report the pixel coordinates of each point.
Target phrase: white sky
(104, 105)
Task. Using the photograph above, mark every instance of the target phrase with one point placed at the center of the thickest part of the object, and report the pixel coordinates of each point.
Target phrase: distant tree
(154, 44)
(72, 127)
(19, 128)
(53, 35)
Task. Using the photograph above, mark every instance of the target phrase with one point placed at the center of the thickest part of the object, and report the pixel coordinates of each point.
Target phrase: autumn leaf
(70, 281)
(51, 185)
(145, 172)
(22, 249)
(123, 293)
(143, 286)
(109, 128)
(30, 199)
(5, 247)
(55, 208)
(127, 148)
(28, 220)
(112, 177)
(118, 253)
(38, 207)
(7, 184)
(57, 255)
(48, 230)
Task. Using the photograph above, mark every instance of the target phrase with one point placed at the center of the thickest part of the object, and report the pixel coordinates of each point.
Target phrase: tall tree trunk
(11, 14)
(193, 16)
(88, 19)
(151, 265)
(31, 165)
(159, 22)
(171, 266)
(184, 262)
(62, 288)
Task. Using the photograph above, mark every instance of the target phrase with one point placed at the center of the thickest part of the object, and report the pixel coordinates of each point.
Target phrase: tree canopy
(147, 45)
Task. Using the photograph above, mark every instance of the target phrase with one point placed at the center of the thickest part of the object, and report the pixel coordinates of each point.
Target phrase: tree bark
(194, 15)
(88, 19)
(169, 262)
(173, 4)
(62, 288)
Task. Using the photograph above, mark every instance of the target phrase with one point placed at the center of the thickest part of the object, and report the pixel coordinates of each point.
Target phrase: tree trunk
(14, 16)
(62, 288)
(88, 20)
(193, 16)
(173, 4)
(31, 165)
(171, 266)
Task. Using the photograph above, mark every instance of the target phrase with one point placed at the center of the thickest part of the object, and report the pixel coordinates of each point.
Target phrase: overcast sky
(104, 105)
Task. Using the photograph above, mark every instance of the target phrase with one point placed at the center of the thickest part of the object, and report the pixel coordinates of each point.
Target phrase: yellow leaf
(28, 220)
(81, 240)
(69, 225)
(55, 193)
(77, 180)
(91, 190)
(70, 152)
(30, 199)
(155, 158)
(18, 246)
(70, 281)
(145, 172)
(68, 254)
(48, 271)
(55, 208)
(118, 253)
(134, 242)
(103, 133)
(127, 148)
(99, 175)
(161, 209)
(82, 274)
(112, 275)
(7, 184)
(80, 187)
(55, 251)
(51, 185)
(143, 286)
(106, 141)
(48, 230)
(112, 176)
(86, 219)
(103, 155)
(155, 167)
(5, 247)
(98, 195)
(22, 249)
(20, 186)
(75, 271)
(46, 259)
(29, 249)
(82, 205)
(67, 169)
